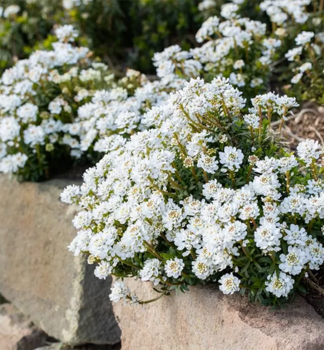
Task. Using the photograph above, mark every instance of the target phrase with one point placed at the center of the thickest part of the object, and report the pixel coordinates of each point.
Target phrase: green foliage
(122, 32)
(157, 24)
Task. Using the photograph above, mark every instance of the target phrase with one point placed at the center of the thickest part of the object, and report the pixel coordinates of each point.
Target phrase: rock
(204, 318)
(37, 273)
(17, 331)
(33, 340)
(57, 346)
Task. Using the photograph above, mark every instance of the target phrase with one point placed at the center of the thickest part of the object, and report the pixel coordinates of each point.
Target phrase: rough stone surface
(17, 332)
(204, 318)
(59, 346)
(58, 291)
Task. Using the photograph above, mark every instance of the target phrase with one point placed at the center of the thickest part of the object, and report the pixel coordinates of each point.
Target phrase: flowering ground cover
(194, 180)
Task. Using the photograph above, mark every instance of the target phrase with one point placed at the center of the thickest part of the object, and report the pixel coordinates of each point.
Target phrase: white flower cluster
(231, 40)
(115, 112)
(280, 11)
(206, 5)
(130, 198)
(32, 123)
(173, 60)
(9, 11)
(87, 104)
(70, 4)
(308, 47)
(23, 123)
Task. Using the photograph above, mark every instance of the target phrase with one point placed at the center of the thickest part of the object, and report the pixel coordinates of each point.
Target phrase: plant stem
(194, 174)
(288, 181)
(249, 174)
(314, 285)
(313, 276)
(206, 176)
(232, 177)
(254, 223)
(129, 264)
(147, 301)
(152, 250)
(226, 110)
(169, 243)
(282, 122)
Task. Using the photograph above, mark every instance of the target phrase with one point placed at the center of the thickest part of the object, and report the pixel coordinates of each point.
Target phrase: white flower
(237, 79)
(238, 64)
(174, 267)
(209, 164)
(296, 78)
(296, 235)
(256, 82)
(304, 38)
(69, 193)
(280, 286)
(118, 291)
(9, 129)
(12, 163)
(206, 4)
(231, 158)
(82, 219)
(287, 163)
(66, 33)
(34, 135)
(316, 255)
(100, 243)
(103, 270)
(305, 67)
(27, 112)
(210, 189)
(309, 150)
(201, 269)
(292, 54)
(294, 262)
(267, 237)
(151, 271)
(11, 10)
(229, 10)
(229, 284)
(252, 120)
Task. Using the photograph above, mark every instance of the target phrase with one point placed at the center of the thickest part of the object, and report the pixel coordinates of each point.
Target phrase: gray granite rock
(37, 273)
(17, 332)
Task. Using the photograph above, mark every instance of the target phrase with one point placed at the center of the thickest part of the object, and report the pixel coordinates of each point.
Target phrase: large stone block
(17, 332)
(58, 291)
(204, 318)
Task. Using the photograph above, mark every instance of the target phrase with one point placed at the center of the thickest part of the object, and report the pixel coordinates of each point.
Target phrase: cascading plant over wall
(209, 195)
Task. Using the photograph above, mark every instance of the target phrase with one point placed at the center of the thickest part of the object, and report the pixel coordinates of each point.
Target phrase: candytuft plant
(208, 195)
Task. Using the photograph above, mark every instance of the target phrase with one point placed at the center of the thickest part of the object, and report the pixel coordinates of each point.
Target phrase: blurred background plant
(123, 33)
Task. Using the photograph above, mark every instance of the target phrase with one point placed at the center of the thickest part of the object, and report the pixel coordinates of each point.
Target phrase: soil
(313, 297)
(74, 173)
(307, 124)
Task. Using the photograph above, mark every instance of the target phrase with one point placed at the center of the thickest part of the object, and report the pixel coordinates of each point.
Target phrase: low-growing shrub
(39, 101)
(208, 195)
(58, 107)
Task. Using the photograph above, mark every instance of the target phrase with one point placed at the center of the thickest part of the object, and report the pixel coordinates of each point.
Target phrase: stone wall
(37, 273)
(61, 295)
(205, 319)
